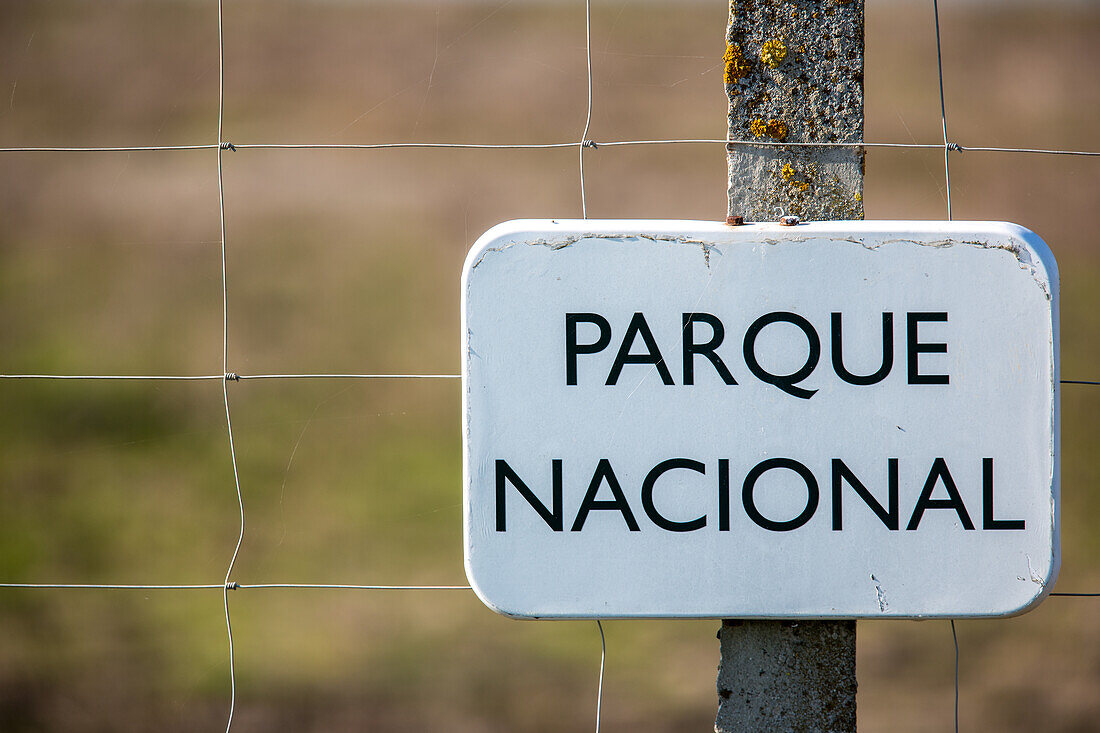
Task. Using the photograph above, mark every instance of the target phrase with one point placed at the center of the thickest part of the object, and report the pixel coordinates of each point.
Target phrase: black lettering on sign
(590, 503)
(785, 382)
(639, 327)
(916, 348)
(718, 332)
(954, 501)
(723, 495)
(505, 474)
(887, 352)
(647, 495)
(572, 348)
(757, 471)
(841, 473)
(988, 522)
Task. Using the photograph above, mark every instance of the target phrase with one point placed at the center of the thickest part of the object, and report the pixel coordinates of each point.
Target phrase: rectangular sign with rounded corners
(830, 420)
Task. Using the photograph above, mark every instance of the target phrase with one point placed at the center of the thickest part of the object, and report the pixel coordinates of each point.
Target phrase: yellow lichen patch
(776, 129)
(787, 172)
(737, 67)
(773, 52)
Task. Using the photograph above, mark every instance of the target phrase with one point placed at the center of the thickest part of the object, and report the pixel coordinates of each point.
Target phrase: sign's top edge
(1027, 245)
(863, 226)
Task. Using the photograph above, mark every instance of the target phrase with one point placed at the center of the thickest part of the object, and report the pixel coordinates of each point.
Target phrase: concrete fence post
(793, 73)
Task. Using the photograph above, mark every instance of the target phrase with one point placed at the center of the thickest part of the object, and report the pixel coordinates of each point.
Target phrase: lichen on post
(794, 73)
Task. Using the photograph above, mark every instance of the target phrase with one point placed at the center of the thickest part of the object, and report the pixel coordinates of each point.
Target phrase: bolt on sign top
(832, 420)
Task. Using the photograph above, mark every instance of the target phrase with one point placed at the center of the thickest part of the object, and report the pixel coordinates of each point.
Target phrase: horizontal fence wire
(231, 585)
(109, 586)
(311, 586)
(593, 144)
(230, 377)
(246, 377)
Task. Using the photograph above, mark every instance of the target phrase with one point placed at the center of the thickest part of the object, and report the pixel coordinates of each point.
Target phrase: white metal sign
(833, 420)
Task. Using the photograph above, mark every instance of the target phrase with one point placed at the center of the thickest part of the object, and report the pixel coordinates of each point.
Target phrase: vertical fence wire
(225, 371)
(943, 110)
(599, 687)
(947, 184)
(955, 639)
(585, 142)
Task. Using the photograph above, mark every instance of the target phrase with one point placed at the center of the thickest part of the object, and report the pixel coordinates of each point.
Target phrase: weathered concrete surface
(787, 676)
(794, 73)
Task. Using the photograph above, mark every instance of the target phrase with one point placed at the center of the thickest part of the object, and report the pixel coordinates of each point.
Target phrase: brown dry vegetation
(349, 261)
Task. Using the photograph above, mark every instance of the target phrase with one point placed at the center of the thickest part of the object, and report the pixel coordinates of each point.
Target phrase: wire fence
(584, 146)
(587, 143)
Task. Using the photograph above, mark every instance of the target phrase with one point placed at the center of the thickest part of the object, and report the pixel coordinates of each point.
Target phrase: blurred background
(348, 261)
